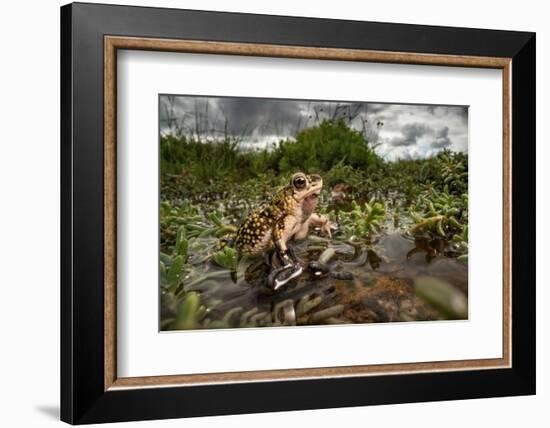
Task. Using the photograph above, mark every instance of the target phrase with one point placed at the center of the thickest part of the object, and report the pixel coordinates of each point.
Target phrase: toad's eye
(299, 182)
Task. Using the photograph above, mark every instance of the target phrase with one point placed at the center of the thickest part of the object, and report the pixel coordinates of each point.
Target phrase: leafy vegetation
(208, 187)
(363, 221)
(322, 147)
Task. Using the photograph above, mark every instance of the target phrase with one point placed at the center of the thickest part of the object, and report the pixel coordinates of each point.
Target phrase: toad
(287, 215)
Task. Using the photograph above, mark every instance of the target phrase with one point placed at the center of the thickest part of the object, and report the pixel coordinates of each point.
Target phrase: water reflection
(344, 282)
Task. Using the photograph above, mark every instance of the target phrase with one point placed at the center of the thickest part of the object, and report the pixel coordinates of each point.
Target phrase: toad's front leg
(291, 268)
(323, 223)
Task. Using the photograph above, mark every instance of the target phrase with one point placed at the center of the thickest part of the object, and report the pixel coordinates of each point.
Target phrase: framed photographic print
(265, 213)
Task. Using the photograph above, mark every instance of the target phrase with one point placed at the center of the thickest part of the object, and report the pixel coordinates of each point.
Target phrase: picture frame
(91, 391)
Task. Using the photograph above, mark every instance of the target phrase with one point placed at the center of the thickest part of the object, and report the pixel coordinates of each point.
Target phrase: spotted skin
(264, 223)
(287, 214)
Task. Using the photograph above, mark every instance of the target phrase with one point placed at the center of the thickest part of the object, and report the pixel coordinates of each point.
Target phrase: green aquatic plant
(192, 222)
(206, 226)
(226, 258)
(440, 212)
(188, 313)
(454, 171)
(174, 266)
(460, 244)
(172, 219)
(208, 186)
(442, 215)
(448, 300)
(363, 221)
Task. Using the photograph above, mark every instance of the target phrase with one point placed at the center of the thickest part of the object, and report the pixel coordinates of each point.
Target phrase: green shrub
(322, 147)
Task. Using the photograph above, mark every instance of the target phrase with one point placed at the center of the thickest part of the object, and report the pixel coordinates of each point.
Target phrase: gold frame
(113, 43)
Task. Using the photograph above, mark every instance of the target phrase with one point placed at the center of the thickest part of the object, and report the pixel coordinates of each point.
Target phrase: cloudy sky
(400, 131)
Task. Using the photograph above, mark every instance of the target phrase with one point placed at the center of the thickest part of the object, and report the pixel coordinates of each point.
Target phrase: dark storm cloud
(442, 139)
(236, 116)
(410, 134)
(398, 130)
(245, 117)
(248, 114)
(377, 108)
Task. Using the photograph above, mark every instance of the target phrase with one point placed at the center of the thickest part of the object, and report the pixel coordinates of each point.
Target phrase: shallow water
(356, 284)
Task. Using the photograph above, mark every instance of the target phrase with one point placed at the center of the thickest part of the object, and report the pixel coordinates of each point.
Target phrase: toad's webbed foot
(289, 268)
(280, 276)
